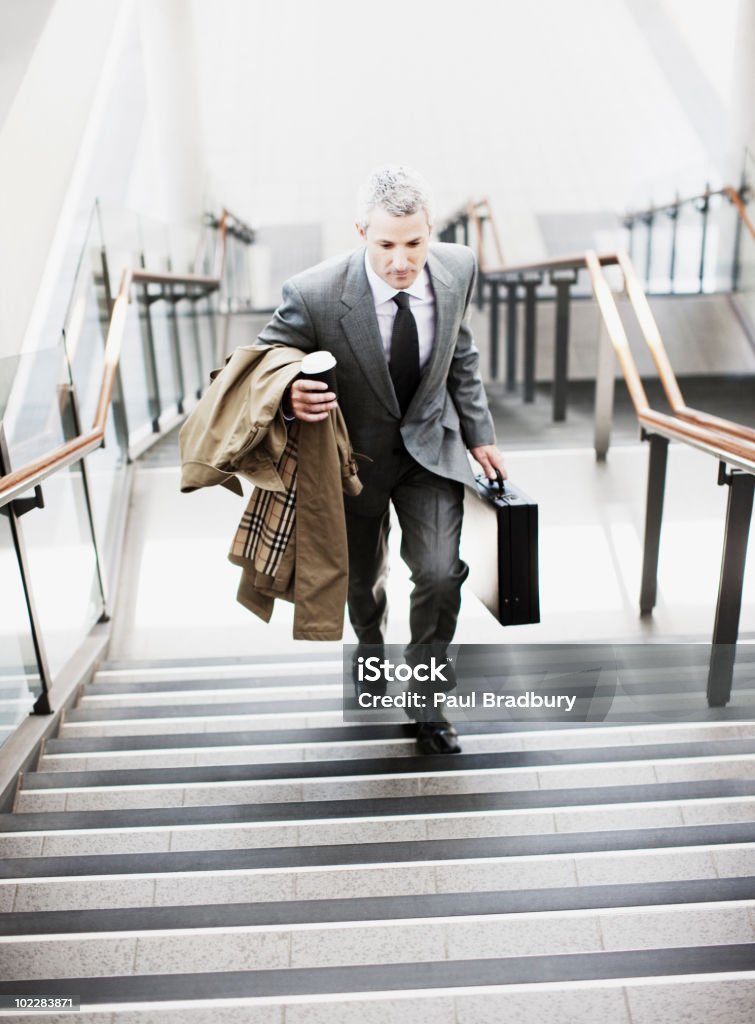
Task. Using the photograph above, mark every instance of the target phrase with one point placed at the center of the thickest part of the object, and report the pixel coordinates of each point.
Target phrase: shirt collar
(384, 292)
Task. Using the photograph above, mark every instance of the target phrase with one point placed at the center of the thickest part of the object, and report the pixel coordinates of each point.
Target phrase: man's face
(396, 246)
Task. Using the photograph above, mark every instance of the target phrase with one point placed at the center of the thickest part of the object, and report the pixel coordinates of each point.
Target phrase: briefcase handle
(499, 480)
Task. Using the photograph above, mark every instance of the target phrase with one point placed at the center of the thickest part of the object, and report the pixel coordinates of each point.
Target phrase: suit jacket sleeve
(291, 323)
(464, 383)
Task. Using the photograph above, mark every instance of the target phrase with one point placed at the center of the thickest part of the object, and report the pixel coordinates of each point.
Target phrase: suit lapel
(446, 302)
(361, 328)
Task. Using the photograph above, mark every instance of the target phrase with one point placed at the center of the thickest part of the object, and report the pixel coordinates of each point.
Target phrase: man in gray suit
(395, 314)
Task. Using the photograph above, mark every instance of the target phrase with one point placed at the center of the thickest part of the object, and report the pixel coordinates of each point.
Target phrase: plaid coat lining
(268, 522)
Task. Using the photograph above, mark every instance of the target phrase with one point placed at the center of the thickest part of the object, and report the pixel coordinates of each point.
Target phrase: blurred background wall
(562, 114)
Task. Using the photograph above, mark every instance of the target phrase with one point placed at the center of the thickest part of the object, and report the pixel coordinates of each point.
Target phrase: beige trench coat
(237, 429)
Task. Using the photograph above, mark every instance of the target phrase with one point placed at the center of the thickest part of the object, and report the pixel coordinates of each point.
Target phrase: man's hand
(310, 400)
(490, 459)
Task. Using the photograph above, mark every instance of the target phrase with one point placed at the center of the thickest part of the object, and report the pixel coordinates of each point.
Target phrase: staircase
(209, 842)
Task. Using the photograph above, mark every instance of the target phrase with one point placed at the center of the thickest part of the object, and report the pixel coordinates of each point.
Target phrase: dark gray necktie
(404, 360)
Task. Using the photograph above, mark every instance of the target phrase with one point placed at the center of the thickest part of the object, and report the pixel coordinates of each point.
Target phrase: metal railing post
(648, 221)
(511, 282)
(673, 213)
(604, 391)
(72, 427)
(563, 280)
(14, 510)
(704, 209)
(480, 274)
(493, 335)
(150, 360)
(657, 463)
(531, 282)
(729, 604)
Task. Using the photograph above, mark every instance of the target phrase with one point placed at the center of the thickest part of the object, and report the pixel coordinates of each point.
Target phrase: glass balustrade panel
(62, 566)
(36, 412)
(85, 331)
(58, 539)
(120, 233)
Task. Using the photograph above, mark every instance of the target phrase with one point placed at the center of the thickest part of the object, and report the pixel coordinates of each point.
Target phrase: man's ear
(360, 230)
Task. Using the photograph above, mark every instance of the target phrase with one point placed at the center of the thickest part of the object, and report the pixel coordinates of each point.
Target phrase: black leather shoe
(437, 738)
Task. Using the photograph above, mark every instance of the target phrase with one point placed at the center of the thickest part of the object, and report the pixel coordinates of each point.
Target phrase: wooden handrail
(650, 333)
(142, 276)
(652, 337)
(23, 479)
(576, 261)
(724, 445)
(650, 211)
(736, 200)
(476, 220)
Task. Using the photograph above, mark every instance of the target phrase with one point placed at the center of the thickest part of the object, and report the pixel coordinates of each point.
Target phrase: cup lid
(318, 362)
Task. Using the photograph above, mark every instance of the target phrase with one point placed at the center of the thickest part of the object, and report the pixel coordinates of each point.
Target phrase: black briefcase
(499, 542)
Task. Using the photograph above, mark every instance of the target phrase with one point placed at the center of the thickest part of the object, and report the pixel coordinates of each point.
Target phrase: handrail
(736, 200)
(26, 477)
(171, 277)
(731, 194)
(668, 379)
(471, 211)
(575, 261)
(723, 445)
(469, 214)
(651, 211)
(650, 332)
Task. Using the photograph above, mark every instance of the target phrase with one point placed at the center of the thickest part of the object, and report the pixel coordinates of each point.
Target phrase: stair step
(434, 804)
(206, 722)
(280, 688)
(213, 664)
(380, 908)
(516, 736)
(85, 712)
(258, 716)
(245, 885)
(437, 850)
(409, 977)
(356, 785)
(395, 766)
(401, 828)
(292, 947)
(98, 698)
(295, 737)
(270, 753)
(329, 694)
(682, 999)
(281, 667)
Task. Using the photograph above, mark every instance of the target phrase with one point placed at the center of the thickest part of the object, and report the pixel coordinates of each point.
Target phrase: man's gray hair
(398, 190)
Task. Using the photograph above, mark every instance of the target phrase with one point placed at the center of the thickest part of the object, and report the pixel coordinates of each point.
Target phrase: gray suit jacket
(331, 307)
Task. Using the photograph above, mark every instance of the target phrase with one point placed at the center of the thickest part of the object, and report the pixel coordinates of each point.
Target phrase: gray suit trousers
(429, 510)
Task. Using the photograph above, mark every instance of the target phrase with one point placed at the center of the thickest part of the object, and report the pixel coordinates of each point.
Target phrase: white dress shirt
(421, 303)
